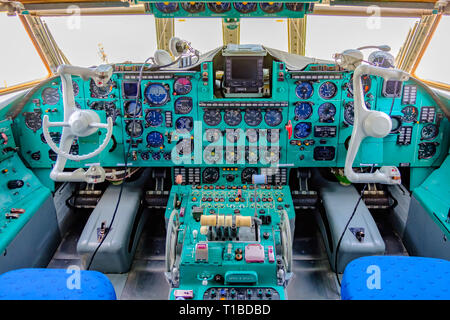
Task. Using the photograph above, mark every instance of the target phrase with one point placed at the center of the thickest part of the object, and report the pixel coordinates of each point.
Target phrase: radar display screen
(244, 69)
(244, 74)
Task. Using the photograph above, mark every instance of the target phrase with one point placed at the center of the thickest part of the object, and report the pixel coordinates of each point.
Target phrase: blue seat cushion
(55, 284)
(396, 278)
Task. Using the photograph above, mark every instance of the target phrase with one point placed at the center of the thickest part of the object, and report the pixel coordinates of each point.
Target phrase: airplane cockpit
(246, 171)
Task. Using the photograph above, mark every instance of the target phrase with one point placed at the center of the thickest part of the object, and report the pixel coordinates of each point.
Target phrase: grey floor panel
(63, 263)
(150, 248)
(146, 281)
(308, 248)
(118, 281)
(68, 247)
(313, 280)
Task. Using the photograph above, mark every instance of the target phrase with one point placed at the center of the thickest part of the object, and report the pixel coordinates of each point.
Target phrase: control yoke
(77, 122)
(370, 123)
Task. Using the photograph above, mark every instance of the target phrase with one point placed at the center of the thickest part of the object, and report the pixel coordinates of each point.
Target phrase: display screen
(244, 69)
(392, 88)
(130, 90)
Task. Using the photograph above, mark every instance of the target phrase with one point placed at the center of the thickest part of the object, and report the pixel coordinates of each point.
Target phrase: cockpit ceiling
(226, 8)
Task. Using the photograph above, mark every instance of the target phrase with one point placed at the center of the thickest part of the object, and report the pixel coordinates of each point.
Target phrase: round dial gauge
(132, 109)
(232, 117)
(156, 94)
(107, 106)
(294, 6)
(233, 135)
(252, 135)
(396, 124)
(327, 90)
(155, 139)
(219, 7)
(366, 82)
(349, 112)
(252, 117)
(213, 135)
(193, 7)
(271, 7)
(302, 130)
(154, 118)
(33, 120)
(134, 129)
(304, 90)
(52, 155)
(247, 174)
(56, 137)
(271, 155)
(182, 86)
(245, 7)
(273, 117)
(156, 156)
(101, 92)
(410, 114)
(232, 155)
(112, 112)
(167, 7)
(75, 86)
(273, 135)
(50, 96)
(212, 117)
(210, 175)
(183, 105)
(251, 155)
(303, 110)
(212, 154)
(185, 124)
(429, 132)
(427, 150)
(327, 112)
(184, 146)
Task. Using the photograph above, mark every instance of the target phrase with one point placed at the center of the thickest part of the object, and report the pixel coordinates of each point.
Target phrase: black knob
(230, 178)
(218, 278)
(15, 184)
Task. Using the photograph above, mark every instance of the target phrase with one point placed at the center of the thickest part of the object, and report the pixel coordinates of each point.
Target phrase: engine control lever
(370, 123)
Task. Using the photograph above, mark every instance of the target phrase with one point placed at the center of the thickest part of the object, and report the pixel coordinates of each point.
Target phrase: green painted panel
(434, 195)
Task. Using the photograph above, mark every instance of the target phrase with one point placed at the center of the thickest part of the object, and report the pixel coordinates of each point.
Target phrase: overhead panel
(230, 9)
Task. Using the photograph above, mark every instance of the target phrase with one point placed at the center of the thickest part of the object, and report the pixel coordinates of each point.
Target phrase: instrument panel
(230, 10)
(175, 119)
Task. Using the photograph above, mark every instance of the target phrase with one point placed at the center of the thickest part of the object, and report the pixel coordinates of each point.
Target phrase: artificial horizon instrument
(231, 147)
